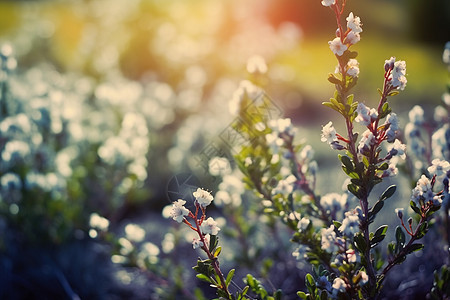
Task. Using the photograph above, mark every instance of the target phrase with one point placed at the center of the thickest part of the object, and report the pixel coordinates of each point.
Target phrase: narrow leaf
(388, 192)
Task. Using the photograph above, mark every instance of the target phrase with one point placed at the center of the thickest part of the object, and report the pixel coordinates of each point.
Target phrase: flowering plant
(333, 232)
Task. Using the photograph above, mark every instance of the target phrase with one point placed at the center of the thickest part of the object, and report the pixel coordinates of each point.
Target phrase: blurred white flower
(134, 232)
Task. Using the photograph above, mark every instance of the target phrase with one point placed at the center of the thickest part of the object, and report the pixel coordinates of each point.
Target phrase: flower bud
(410, 221)
(399, 212)
(338, 32)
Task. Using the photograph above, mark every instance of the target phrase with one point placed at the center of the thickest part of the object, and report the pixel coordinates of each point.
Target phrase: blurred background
(104, 102)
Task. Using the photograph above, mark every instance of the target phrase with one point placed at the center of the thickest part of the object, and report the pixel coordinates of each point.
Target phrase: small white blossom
(352, 38)
(98, 222)
(256, 64)
(328, 2)
(364, 278)
(134, 232)
(300, 252)
(366, 142)
(333, 202)
(353, 67)
(197, 243)
(397, 149)
(392, 119)
(337, 47)
(445, 54)
(398, 75)
(423, 191)
(350, 225)
(209, 226)
(303, 224)
(282, 126)
(329, 134)
(365, 115)
(439, 167)
(440, 114)
(219, 166)
(339, 285)
(354, 23)
(389, 64)
(329, 242)
(285, 186)
(203, 198)
(307, 154)
(179, 211)
(390, 171)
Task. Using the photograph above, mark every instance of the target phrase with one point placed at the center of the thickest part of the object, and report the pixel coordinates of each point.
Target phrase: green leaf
(354, 190)
(360, 243)
(380, 92)
(302, 295)
(213, 242)
(309, 280)
(414, 207)
(423, 228)
(347, 162)
(388, 192)
(376, 208)
(230, 276)
(381, 231)
(393, 93)
(203, 277)
(414, 248)
(332, 78)
(331, 105)
(217, 252)
(400, 237)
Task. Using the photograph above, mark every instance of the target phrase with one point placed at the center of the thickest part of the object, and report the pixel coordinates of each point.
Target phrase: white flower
(440, 114)
(219, 166)
(179, 211)
(256, 64)
(98, 222)
(439, 167)
(134, 232)
(364, 277)
(209, 226)
(303, 224)
(282, 126)
(337, 47)
(398, 75)
(423, 190)
(328, 2)
(285, 186)
(339, 285)
(197, 243)
(389, 64)
(333, 202)
(350, 225)
(366, 142)
(307, 154)
(300, 252)
(329, 133)
(390, 171)
(365, 115)
(328, 241)
(352, 38)
(354, 23)
(397, 148)
(445, 54)
(393, 127)
(353, 67)
(352, 256)
(203, 198)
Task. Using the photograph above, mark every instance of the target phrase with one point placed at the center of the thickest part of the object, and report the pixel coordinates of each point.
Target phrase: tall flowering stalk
(334, 237)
